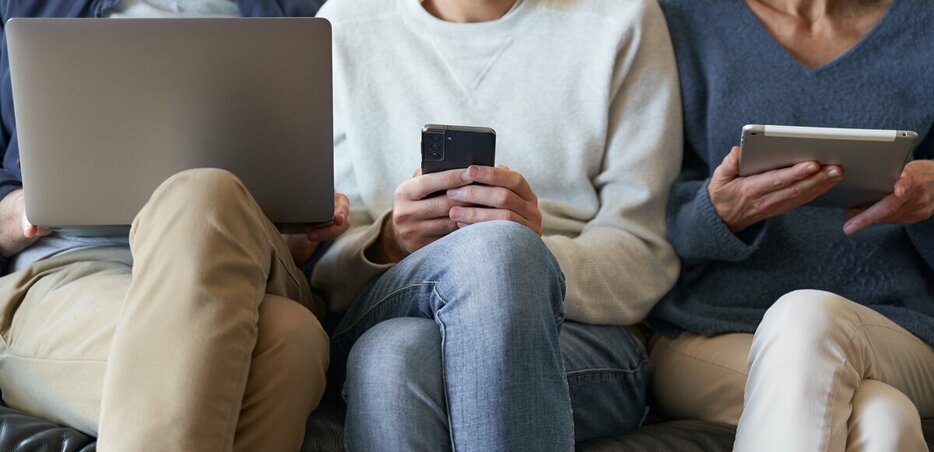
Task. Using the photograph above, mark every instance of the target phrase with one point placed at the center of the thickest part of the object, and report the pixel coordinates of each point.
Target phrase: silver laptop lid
(107, 109)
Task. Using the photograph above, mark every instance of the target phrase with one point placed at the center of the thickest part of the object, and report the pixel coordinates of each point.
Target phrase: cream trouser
(198, 345)
(822, 373)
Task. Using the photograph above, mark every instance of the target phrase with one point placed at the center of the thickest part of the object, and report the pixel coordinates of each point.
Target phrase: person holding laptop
(197, 331)
(841, 303)
(491, 315)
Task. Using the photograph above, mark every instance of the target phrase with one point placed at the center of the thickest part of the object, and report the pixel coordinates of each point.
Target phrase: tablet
(872, 160)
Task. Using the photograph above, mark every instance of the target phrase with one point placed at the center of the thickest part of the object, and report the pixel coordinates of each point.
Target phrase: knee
(803, 322)
(805, 315)
(292, 336)
(505, 260)
(884, 418)
(200, 189)
(394, 357)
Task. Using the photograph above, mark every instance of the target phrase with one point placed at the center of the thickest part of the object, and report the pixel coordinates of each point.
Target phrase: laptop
(107, 109)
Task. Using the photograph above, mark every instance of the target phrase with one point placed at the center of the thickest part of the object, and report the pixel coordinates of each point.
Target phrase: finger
(780, 179)
(902, 185)
(854, 211)
(500, 177)
(802, 191)
(473, 215)
(425, 209)
(728, 168)
(488, 196)
(877, 213)
(30, 230)
(341, 209)
(421, 186)
(427, 231)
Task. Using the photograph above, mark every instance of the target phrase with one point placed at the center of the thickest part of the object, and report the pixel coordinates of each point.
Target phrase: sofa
(22, 433)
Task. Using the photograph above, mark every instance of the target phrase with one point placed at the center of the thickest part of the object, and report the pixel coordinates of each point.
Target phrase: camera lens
(435, 155)
(436, 138)
(435, 146)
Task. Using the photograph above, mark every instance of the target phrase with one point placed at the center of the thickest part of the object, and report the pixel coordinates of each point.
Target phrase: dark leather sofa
(21, 433)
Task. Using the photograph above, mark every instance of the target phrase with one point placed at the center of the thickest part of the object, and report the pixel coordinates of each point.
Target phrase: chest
(816, 42)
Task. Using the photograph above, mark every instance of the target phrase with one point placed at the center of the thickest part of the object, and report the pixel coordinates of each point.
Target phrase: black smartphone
(446, 147)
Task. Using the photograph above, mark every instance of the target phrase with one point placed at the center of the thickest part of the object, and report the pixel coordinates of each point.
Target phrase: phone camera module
(435, 147)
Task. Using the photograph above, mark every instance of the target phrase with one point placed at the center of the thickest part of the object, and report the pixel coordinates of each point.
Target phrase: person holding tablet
(461, 330)
(841, 302)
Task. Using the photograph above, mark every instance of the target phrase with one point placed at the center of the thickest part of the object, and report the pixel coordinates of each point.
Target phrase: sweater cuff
(727, 245)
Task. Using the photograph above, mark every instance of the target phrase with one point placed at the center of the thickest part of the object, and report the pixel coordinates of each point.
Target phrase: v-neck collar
(762, 32)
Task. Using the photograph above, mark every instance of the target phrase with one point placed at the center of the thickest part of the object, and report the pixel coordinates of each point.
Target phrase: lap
(608, 376)
(58, 318)
(698, 377)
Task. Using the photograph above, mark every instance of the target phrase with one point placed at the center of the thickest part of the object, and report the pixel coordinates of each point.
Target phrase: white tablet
(872, 160)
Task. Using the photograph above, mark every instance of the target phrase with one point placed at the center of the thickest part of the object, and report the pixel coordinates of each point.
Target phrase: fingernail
(456, 213)
(453, 193)
(465, 176)
(848, 228)
(811, 166)
(834, 173)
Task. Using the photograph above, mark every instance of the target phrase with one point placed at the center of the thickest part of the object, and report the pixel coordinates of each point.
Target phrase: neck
(816, 9)
(468, 10)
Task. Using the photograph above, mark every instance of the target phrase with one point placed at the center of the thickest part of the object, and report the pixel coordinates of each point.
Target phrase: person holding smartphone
(492, 316)
(841, 302)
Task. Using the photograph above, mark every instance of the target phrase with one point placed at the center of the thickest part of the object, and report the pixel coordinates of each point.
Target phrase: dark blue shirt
(734, 73)
(10, 176)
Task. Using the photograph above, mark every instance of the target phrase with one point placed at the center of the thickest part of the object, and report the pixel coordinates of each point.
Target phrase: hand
(911, 201)
(744, 201)
(504, 195)
(416, 220)
(302, 246)
(16, 232)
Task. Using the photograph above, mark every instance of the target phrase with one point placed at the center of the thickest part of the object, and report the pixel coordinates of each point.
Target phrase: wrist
(386, 249)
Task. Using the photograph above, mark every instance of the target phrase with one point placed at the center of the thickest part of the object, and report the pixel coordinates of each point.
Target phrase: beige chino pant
(822, 373)
(203, 340)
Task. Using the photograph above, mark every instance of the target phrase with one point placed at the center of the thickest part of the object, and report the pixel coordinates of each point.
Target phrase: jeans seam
(444, 385)
(638, 368)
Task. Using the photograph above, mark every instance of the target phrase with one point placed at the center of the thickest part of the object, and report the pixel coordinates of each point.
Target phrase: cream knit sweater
(583, 95)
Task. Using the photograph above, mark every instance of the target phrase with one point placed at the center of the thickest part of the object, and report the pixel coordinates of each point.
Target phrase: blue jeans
(460, 346)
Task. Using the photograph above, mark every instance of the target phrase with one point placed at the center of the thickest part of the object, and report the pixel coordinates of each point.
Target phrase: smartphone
(446, 147)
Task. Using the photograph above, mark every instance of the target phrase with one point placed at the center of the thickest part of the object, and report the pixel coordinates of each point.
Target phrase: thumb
(29, 230)
(728, 169)
(902, 185)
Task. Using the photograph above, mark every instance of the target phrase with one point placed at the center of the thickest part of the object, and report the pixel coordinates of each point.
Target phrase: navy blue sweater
(733, 73)
(10, 176)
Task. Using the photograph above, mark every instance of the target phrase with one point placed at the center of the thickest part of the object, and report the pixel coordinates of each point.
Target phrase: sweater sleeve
(621, 264)
(695, 229)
